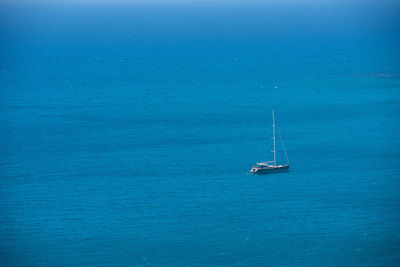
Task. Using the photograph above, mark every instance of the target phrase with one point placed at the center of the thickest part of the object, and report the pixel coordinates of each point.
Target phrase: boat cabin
(267, 164)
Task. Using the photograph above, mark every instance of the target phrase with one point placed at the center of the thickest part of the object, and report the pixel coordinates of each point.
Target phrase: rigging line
(283, 145)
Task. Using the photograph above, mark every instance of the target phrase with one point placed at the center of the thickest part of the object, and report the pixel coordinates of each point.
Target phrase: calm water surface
(127, 133)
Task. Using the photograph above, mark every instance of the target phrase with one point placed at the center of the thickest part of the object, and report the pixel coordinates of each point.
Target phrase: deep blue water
(127, 133)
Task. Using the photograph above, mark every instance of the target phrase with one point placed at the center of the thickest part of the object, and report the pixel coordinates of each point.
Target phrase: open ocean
(127, 132)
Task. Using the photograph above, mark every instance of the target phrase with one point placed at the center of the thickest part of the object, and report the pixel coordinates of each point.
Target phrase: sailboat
(271, 166)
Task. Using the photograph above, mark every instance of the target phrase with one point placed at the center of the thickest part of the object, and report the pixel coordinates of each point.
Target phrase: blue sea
(128, 129)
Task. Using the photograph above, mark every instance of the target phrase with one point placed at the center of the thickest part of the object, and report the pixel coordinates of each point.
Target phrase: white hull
(269, 169)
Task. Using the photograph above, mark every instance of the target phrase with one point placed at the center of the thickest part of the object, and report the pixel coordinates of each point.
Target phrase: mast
(273, 136)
